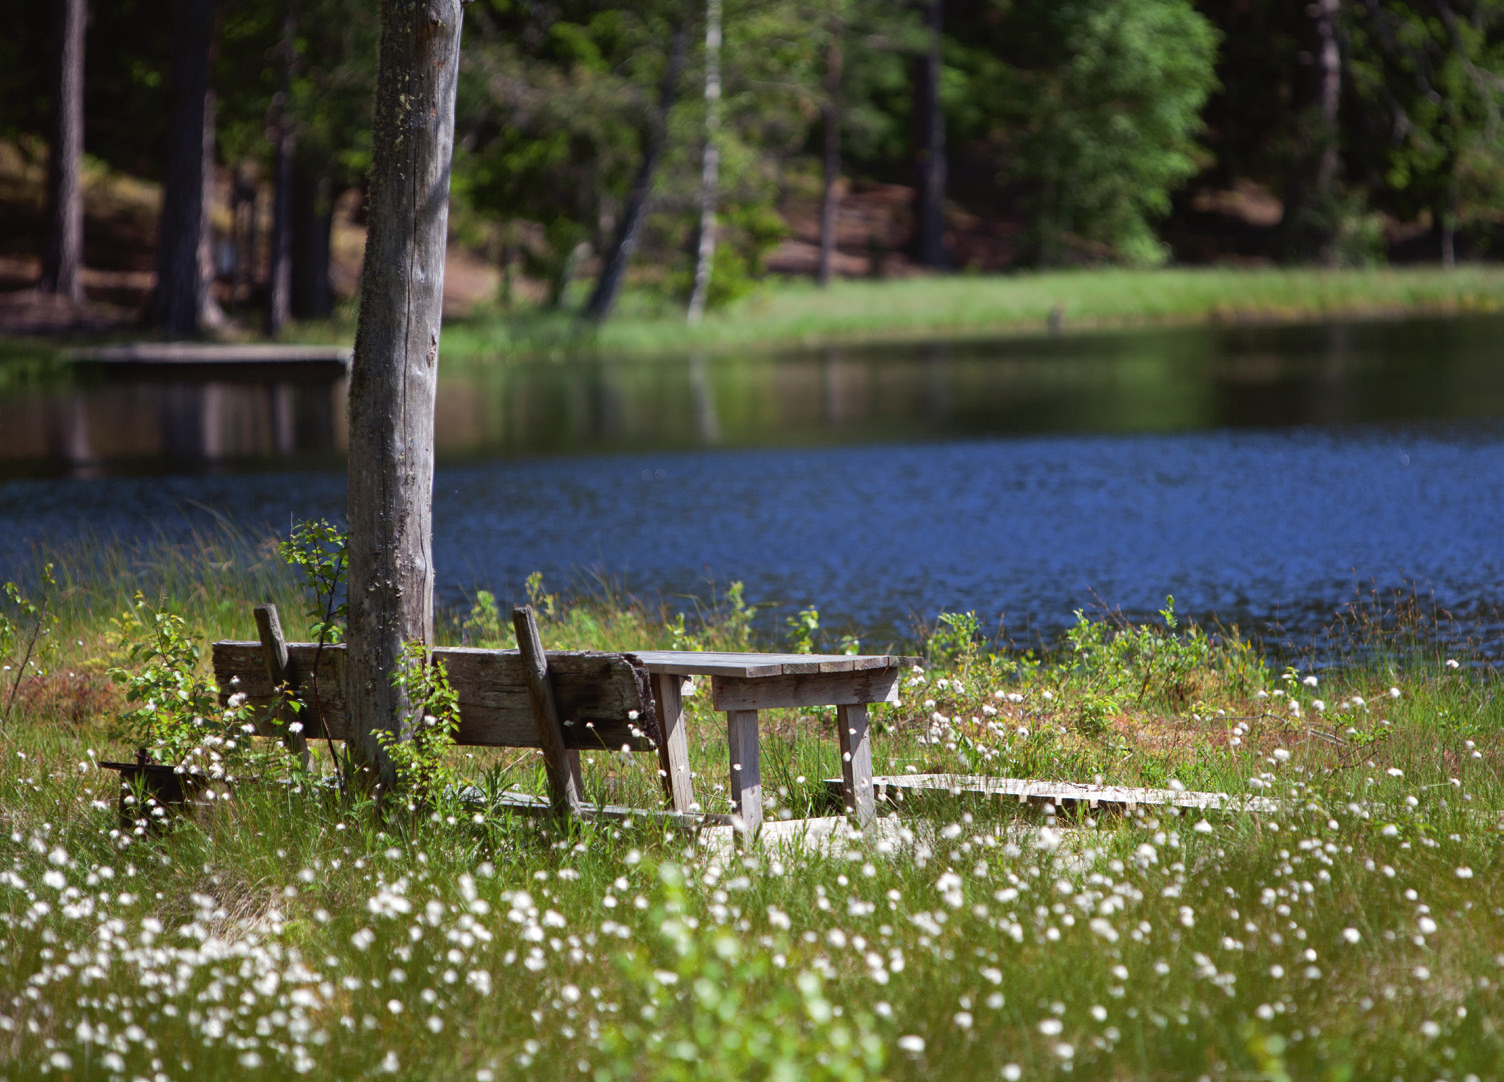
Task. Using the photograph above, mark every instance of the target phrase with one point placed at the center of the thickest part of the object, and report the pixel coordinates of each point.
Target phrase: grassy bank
(962, 306)
(1354, 933)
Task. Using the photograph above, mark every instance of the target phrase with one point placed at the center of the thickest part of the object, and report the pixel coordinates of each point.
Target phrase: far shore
(797, 315)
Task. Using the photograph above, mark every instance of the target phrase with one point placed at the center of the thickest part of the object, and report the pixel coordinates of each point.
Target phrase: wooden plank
(673, 750)
(746, 771)
(754, 665)
(1061, 795)
(274, 654)
(813, 689)
(597, 693)
(856, 762)
(562, 768)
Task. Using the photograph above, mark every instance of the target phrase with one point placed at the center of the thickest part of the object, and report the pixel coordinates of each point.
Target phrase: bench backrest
(605, 700)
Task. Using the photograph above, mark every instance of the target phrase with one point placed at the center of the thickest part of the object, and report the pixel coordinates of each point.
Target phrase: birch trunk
(279, 273)
(395, 368)
(711, 167)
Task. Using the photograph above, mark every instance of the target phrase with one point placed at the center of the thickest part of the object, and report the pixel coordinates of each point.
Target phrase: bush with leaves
(175, 713)
(420, 749)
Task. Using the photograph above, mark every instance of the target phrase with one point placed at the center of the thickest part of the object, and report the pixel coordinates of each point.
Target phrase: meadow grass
(1356, 932)
(958, 307)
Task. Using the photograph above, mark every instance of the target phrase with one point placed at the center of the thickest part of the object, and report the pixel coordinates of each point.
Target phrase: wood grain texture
(597, 694)
(394, 373)
(856, 762)
(563, 775)
(673, 750)
(274, 656)
(753, 665)
(746, 771)
(812, 689)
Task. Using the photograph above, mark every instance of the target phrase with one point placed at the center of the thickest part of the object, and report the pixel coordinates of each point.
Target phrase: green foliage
(175, 713)
(420, 750)
(706, 1006)
(27, 643)
(802, 627)
(484, 626)
(955, 640)
(318, 550)
(1101, 104)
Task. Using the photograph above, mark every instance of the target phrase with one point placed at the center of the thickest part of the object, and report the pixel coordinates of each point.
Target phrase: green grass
(965, 306)
(1355, 933)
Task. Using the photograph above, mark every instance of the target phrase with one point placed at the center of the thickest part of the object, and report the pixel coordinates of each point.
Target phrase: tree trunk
(1310, 194)
(62, 265)
(280, 131)
(1449, 224)
(830, 198)
(312, 220)
(395, 369)
(929, 196)
(181, 305)
(614, 267)
(711, 166)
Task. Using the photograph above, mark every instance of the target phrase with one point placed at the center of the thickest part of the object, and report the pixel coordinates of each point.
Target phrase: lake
(1262, 475)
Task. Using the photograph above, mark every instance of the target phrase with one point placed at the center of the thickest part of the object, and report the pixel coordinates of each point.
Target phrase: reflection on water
(1260, 475)
(1168, 380)
(93, 426)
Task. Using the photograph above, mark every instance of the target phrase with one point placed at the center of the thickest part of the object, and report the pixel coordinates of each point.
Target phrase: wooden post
(856, 762)
(394, 374)
(673, 751)
(562, 764)
(274, 650)
(746, 772)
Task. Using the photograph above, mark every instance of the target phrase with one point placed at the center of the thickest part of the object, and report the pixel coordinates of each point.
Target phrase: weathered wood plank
(752, 665)
(856, 762)
(597, 694)
(673, 751)
(746, 771)
(1061, 795)
(563, 774)
(274, 654)
(811, 689)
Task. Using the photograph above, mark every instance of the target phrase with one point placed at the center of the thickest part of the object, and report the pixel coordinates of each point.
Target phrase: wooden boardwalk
(1064, 796)
(216, 359)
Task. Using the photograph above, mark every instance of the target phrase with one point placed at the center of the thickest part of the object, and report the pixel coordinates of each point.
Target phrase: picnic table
(741, 684)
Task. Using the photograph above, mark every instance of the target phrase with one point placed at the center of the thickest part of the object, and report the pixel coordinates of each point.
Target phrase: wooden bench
(567, 701)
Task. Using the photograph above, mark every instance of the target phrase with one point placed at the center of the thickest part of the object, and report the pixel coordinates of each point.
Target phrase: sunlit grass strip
(965, 306)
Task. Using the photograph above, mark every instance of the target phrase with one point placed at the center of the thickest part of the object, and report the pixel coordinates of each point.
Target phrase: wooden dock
(205, 360)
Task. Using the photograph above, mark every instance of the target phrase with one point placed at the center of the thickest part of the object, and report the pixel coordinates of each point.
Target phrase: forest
(692, 148)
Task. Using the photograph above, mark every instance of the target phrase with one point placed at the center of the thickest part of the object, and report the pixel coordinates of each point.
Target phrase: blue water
(1272, 528)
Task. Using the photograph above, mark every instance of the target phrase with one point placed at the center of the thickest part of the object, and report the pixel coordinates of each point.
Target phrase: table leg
(856, 762)
(746, 771)
(673, 751)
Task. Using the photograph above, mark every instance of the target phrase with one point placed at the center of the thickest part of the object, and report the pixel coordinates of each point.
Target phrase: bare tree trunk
(830, 198)
(1449, 225)
(279, 271)
(1311, 189)
(614, 268)
(182, 292)
(929, 198)
(312, 221)
(395, 369)
(62, 265)
(711, 166)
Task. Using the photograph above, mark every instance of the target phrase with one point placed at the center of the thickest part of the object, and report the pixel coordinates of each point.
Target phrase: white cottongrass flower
(1051, 1027)
(1318, 705)
(1310, 681)
(911, 1043)
(1452, 663)
(1351, 935)
(1394, 693)
(1463, 872)
(963, 1019)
